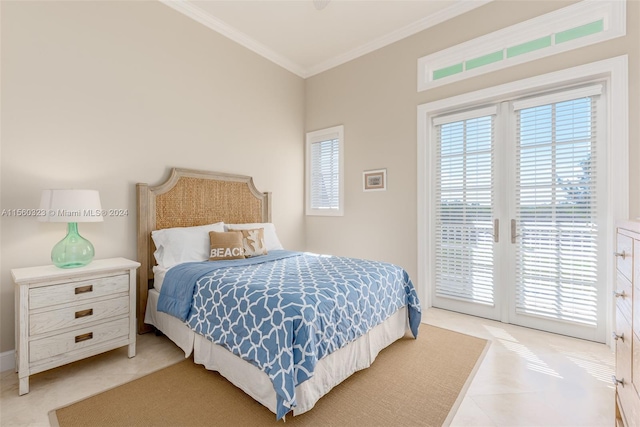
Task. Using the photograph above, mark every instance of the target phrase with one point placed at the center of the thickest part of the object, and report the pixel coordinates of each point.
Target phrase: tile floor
(527, 378)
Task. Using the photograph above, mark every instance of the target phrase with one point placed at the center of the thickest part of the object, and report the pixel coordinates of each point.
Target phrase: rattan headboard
(189, 198)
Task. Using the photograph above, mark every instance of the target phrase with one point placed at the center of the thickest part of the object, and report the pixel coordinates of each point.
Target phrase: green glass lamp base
(73, 251)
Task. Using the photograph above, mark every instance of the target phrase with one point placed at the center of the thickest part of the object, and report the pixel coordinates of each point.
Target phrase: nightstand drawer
(47, 296)
(77, 315)
(80, 338)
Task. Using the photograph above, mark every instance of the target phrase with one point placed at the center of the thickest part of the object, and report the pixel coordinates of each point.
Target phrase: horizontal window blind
(556, 207)
(325, 174)
(464, 206)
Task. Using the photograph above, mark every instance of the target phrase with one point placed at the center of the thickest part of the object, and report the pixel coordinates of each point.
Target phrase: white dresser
(627, 328)
(64, 315)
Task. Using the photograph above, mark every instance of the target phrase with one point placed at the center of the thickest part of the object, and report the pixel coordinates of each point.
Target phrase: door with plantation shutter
(466, 214)
(556, 228)
(518, 223)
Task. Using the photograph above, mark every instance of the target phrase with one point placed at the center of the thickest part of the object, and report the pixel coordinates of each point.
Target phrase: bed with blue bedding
(285, 327)
(285, 311)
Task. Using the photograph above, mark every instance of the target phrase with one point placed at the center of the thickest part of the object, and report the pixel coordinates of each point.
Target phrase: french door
(518, 225)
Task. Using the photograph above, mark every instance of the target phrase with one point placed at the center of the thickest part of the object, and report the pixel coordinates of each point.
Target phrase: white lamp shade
(70, 206)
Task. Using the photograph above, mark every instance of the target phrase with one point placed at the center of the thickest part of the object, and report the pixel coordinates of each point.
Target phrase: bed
(323, 342)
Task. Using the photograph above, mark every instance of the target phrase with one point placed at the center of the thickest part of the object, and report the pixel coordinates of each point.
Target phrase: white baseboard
(7, 361)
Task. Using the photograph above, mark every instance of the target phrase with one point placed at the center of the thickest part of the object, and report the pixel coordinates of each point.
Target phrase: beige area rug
(411, 383)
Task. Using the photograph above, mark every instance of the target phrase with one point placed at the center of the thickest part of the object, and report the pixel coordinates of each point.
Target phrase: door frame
(614, 72)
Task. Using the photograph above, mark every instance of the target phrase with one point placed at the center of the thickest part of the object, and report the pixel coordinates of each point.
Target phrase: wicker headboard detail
(189, 198)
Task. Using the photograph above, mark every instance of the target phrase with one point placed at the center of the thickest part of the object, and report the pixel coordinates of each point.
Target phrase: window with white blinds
(325, 160)
(556, 206)
(464, 206)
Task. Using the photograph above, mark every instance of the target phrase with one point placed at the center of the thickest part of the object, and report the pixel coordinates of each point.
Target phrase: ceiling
(310, 36)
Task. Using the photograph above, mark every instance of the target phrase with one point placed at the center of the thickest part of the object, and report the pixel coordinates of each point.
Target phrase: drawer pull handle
(84, 337)
(617, 381)
(622, 254)
(621, 294)
(618, 337)
(84, 313)
(84, 289)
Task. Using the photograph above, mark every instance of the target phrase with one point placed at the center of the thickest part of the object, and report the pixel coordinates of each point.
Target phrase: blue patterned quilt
(285, 311)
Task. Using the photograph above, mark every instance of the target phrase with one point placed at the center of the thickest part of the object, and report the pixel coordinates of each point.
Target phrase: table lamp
(72, 207)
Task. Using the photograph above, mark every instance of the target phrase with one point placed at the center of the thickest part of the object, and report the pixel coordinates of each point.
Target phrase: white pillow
(271, 240)
(158, 277)
(183, 244)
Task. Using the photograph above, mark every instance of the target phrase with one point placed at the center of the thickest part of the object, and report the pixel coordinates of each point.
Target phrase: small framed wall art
(374, 180)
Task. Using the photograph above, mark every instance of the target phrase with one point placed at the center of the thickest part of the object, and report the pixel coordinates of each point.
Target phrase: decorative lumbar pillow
(226, 245)
(270, 236)
(253, 242)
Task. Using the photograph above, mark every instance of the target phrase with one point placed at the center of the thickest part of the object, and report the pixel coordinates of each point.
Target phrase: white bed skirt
(329, 372)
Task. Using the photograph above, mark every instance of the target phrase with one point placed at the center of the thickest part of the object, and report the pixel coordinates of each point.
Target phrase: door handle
(496, 230)
(513, 231)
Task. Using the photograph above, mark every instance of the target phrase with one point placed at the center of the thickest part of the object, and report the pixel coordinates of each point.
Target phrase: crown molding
(187, 8)
(456, 9)
(194, 12)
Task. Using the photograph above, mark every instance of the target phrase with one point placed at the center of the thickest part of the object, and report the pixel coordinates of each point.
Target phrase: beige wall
(103, 95)
(106, 94)
(376, 99)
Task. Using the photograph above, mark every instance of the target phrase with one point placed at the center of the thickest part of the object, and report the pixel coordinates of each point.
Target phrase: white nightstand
(64, 315)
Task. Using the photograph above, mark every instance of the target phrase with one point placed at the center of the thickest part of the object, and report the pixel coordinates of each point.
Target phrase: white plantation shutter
(556, 209)
(325, 172)
(464, 264)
